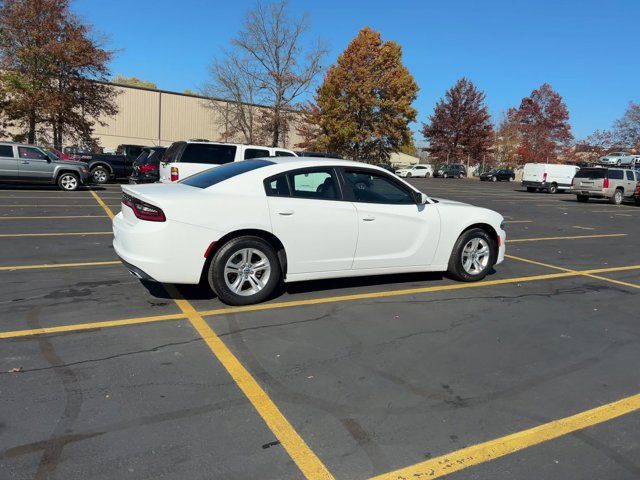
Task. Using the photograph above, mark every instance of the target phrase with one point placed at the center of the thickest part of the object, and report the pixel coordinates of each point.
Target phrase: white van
(183, 159)
(548, 176)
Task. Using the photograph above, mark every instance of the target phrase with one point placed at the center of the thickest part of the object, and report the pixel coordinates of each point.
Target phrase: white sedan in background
(423, 171)
(244, 227)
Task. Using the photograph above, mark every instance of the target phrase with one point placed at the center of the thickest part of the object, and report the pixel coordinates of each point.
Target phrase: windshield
(216, 175)
(52, 155)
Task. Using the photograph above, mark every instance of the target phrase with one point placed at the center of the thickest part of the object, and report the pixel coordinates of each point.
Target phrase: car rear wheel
(99, 175)
(552, 189)
(616, 199)
(473, 255)
(69, 181)
(244, 271)
(583, 198)
(408, 174)
(494, 179)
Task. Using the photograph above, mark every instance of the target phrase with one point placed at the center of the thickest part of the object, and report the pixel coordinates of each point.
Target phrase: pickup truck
(104, 166)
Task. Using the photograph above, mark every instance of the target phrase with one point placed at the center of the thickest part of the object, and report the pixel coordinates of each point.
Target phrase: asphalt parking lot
(531, 373)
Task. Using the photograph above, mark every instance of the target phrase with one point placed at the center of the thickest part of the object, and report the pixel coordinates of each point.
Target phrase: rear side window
(277, 186)
(282, 153)
(615, 174)
(6, 151)
(210, 154)
(315, 184)
(172, 153)
(216, 175)
(591, 173)
(255, 153)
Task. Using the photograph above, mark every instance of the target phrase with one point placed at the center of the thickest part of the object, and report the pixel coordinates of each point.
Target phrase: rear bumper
(529, 183)
(158, 250)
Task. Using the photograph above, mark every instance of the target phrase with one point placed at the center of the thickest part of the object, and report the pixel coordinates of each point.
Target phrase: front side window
(31, 153)
(315, 184)
(255, 153)
(213, 176)
(630, 175)
(370, 187)
(210, 154)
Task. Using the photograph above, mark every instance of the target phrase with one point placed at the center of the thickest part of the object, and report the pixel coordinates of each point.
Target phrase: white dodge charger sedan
(244, 227)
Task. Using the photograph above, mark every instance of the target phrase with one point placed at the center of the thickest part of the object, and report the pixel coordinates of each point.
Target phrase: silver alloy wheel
(69, 182)
(617, 197)
(475, 256)
(99, 175)
(247, 271)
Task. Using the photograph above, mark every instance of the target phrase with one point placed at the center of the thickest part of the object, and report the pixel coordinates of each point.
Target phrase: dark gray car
(30, 164)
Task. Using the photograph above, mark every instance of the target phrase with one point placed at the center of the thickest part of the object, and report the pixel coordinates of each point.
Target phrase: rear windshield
(142, 158)
(171, 154)
(592, 173)
(211, 154)
(216, 175)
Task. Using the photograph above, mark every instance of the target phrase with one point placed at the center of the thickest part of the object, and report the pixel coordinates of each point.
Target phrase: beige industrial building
(157, 117)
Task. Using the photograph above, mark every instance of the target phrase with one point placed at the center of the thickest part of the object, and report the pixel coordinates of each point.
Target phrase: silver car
(613, 184)
(617, 158)
(30, 164)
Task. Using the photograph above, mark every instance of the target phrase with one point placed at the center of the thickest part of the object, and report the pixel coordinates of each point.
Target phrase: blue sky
(587, 50)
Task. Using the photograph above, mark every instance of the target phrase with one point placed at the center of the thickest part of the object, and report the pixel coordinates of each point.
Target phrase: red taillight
(605, 182)
(143, 210)
(544, 177)
(175, 174)
(147, 167)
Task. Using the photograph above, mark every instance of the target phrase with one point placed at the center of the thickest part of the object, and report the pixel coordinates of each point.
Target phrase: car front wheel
(99, 175)
(244, 271)
(494, 179)
(69, 181)
(474, 253)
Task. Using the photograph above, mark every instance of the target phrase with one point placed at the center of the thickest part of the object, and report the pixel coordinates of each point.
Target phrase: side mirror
(420, 198)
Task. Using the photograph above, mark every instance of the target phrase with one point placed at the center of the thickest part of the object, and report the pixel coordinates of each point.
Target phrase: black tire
(461, 176)
(616, 199)
(531, 189)
(456, 269)
(494, 179)
(427, 175)
(637, 199)
(408, 174)
(582, 198)
(69, 181)
(444, 175)
(552, 189)
(233, 248)
(100, 175)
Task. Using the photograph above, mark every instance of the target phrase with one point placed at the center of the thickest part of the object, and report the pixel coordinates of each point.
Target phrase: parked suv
(183, 159)
(455, 170)
(614, 184)
(31, 164)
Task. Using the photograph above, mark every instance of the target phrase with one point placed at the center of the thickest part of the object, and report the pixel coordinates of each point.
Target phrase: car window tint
(211, 154)
(216, 175)
(142, 158)
(371, 187)
(318, 184)
(277, 186)
(615, 174)
(281, 153)
(591, 173)
(6, 151)
(32, 153)
(255, 153)
(630, 175)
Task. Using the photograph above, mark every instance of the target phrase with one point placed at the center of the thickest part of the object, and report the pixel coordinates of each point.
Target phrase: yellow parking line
(90, 326)
(57, 265)
(307, 461)
(107, 210)
(57, 217)
(484, 452)
(582, 228)
(572, 237)
(583, 273)
(58, 234)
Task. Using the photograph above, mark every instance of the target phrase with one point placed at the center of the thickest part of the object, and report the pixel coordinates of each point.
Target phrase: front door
(8, 163)
(393, 231)
(34, 165)
(318, 229)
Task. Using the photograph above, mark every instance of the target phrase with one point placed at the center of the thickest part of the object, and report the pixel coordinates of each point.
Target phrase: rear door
(34, 165)
(8, 163)
(318, 229)
(630, 183)
(392, 230)
(589, 180)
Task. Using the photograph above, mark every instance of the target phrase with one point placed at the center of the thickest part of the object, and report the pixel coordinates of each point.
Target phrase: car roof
(215, 142)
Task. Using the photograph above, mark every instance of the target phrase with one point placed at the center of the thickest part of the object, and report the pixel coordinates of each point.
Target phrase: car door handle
(24, 161)
(368, 218)
(286, 213)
